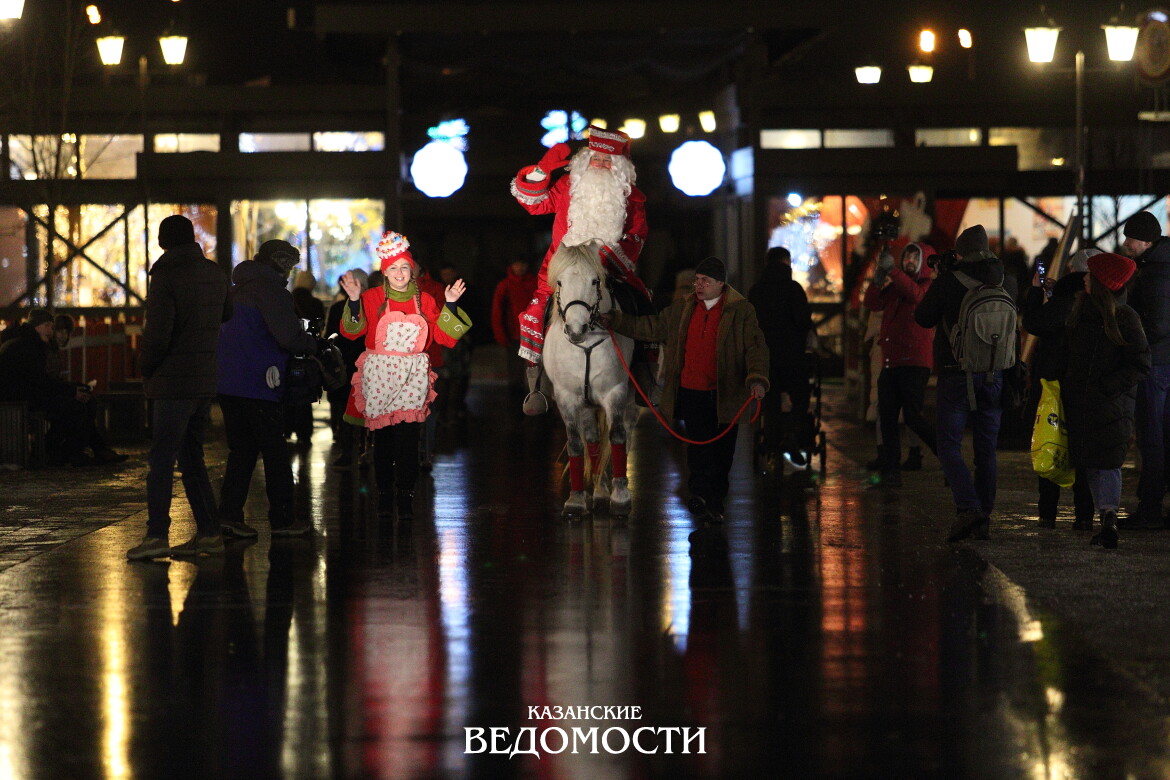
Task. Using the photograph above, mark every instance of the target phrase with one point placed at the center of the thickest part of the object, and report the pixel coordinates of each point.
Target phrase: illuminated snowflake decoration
(453, 132)
(563, 126)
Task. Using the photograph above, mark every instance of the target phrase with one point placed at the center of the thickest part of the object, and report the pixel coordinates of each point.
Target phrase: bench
(23, 436)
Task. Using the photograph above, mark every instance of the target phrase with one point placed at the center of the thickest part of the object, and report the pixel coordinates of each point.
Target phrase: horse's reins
(664, 423)
(593, 310)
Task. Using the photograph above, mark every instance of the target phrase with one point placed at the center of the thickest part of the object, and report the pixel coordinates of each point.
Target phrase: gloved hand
(556, 157)
(886, 261)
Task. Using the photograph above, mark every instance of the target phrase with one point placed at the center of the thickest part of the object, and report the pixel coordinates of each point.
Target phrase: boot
(1107, 537)
(913, 460)
(877, 463)
(536, 402)
(968, 522)
(406, 505)
(644, 376)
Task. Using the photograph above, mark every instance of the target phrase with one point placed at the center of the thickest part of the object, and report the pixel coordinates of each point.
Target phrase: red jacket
(903, 341)
(511, 298)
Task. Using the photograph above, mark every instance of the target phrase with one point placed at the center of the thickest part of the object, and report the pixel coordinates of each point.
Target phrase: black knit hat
(972, 241)
(175, 230)
(712, 267)
(1143, 226)
(38, 317)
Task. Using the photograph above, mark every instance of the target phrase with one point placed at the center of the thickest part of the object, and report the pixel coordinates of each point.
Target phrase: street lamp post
(1041, 41)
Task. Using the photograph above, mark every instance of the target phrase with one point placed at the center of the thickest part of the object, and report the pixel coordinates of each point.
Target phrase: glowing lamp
(438, 169)
(697, 168)
(868, 74)
(110, 49)
(965, 38)
(174, 48)
(668, 123)
(1041, 43)
(1120, 41)
(634, 128)
(926, 41)
(920, 74)
(11, 9)
(707, 121)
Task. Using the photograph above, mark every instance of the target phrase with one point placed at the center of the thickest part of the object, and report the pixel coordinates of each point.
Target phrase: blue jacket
(263, 331)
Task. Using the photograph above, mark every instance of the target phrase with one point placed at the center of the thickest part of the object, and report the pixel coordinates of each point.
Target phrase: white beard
(597, 201)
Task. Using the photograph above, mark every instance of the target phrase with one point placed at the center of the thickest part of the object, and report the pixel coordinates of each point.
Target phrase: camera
(944, 261)
(885, 231)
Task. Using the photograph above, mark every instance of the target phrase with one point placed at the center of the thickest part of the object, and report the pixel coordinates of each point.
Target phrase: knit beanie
(712, 267)
(971, 241)
(1143, 226)
(38, 317)
(1079, 263)
(175, 230)
(1111, 270)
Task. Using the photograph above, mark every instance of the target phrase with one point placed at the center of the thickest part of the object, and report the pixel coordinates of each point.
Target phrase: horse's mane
(568, 256)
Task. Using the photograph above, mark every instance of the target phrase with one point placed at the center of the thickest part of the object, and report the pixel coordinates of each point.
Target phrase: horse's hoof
(619, 509)
(577, 505)
(619, 498)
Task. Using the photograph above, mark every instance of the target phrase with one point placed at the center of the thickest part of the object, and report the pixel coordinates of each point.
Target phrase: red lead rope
(664, 423)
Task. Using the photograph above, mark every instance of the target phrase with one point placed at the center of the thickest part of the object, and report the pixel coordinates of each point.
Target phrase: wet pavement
(825, 630)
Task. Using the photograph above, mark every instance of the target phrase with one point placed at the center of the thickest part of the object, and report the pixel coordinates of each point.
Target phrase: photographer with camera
(962, 395)
(256, 347)
(896, 291)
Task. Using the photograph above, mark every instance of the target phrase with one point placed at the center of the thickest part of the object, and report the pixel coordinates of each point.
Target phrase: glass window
(12, 260)
(109, 156)
(1039, 148)
(790, 139)
(42, 156)
(853, 139)
(186, 142)
(349, 142)
(275, 142)
(948, 136)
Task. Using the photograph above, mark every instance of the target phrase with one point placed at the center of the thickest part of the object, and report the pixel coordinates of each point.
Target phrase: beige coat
(740, 351)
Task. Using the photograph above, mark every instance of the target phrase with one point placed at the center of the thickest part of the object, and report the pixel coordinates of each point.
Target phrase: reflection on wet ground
(823, 631)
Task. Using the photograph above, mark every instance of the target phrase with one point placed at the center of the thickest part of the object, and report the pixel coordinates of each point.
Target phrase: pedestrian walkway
(822, 631)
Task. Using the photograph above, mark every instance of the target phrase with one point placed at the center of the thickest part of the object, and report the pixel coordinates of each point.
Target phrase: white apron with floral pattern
(394, 381)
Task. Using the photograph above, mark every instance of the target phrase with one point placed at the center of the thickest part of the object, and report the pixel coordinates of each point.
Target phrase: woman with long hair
(1107, 356)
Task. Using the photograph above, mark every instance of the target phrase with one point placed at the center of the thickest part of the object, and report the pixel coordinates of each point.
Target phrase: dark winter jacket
(1051, 355)
(741, 352)
(785, 318)
(1150, 298)
(24, 373)
(903, 341)
(350, 350)
(1099, 386)
(184, 308)
(263, 332)
(939, 307)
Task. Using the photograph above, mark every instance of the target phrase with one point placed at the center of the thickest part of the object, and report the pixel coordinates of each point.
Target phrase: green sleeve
(455, 324)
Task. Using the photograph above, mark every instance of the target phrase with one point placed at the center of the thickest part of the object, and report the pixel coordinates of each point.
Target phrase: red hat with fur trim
(609, 141)
(391, 248)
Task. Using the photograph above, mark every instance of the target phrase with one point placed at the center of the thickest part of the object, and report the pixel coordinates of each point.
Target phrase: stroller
(788, 444)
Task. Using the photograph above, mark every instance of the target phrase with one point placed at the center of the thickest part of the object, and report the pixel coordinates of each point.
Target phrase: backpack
(984, 337)
(306, 376)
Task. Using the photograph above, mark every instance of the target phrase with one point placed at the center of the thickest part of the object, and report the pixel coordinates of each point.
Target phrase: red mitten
(556, 157)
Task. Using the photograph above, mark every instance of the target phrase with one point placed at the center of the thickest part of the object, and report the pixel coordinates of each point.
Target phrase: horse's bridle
(593, 310)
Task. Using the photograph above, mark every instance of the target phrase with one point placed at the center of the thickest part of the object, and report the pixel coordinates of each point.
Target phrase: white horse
(587, 376)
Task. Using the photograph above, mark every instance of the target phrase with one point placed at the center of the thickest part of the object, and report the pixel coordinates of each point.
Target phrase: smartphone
(1041, 269)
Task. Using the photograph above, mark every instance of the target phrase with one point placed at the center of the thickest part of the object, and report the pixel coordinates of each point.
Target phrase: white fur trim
(529, 200)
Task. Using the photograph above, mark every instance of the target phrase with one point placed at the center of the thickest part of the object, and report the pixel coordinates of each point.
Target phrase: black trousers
(1050, 497)
(255, 429)
(708, 465)
(787, 431)
(901, 390)
(396, 459)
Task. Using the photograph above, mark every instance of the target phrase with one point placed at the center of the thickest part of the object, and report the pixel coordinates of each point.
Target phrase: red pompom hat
(391, 248)
(1111, 270)
(613, 142)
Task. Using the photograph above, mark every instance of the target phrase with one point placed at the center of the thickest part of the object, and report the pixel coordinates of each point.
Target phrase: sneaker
(238, 528)
(296, 529)
(199, 545)
(969, 522)
(797, 460)
(149, 547)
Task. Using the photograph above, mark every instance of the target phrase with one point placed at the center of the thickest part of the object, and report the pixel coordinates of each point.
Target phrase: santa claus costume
(393, 385)
(596, 201)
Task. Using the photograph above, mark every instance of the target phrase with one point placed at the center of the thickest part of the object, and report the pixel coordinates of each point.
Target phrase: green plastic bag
(1050, 437)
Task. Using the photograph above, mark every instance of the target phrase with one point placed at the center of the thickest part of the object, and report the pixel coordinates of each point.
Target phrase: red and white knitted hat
(393, 247)
(609, 141)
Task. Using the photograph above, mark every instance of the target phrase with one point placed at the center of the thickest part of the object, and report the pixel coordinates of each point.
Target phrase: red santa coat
(620, 259)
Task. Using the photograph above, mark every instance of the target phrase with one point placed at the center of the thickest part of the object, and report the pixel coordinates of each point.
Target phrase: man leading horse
(597, 200)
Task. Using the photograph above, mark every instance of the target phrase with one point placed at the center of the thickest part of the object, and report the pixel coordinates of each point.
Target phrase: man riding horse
(596, 201)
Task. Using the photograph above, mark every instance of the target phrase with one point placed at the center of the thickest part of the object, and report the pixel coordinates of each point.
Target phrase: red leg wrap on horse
(594, 456)
(576, 473)
(617, 454)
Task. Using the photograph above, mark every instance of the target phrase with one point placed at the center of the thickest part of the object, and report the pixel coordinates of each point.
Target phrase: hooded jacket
(1046, 319)
(785, 318)
(903, 341)
(939, 307)
(188, 300)
(1150, 298)
(741, 354)
(24, 373)
(263, 332)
